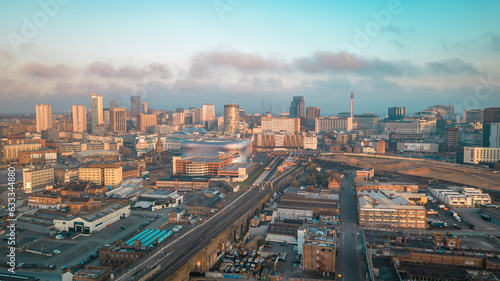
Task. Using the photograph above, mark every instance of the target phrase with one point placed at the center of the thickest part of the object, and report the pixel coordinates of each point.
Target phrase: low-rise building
(92, 273)
(183, 183)
(37, 157)
(34, 180)
(199, 166)
(237, 171)
(476, 155)
(103, 174)
(396, 186)
(96, 220)
(365, 174)
(319, 249)
(66, 175)
(45, 202)
(117, 254)
(377, 209)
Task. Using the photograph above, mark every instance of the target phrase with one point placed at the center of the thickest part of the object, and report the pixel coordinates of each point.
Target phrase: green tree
(261, 242)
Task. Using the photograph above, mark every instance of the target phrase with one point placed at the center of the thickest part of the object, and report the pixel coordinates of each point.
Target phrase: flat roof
(233, 167)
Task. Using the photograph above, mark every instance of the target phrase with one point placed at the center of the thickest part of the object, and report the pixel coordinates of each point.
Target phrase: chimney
(137, 245)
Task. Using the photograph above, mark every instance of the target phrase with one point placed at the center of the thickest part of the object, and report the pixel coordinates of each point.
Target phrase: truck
(441, 206)
(485, 217)
(453, 213)
(437, 223)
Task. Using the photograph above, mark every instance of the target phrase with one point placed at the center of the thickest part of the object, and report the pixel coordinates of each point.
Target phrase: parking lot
(75, 248)
(445, 217)
(473, 216)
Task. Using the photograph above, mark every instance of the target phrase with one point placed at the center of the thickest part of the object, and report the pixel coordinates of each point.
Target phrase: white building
(276, 124)
(368, 150)
(95, 220)
(475, 155)
(477, 195)
(330, 124)
(452, 198)
(421, 126)
(34, 180)
(147, 143)
(311, 142)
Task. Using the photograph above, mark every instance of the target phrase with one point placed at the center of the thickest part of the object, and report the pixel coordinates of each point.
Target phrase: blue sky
(186, 53)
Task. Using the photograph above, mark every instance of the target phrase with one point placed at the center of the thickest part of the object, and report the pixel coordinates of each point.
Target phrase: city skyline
(243, 55)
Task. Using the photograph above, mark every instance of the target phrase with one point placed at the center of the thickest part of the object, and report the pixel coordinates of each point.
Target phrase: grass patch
(251, 179)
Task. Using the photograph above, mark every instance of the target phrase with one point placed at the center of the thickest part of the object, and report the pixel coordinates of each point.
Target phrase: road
(350, 265)
(174, 255)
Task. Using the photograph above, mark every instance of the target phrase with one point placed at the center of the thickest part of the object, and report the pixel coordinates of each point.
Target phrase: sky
(250, 52)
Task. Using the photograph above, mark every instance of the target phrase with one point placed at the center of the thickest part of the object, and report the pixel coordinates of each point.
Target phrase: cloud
(322, 61)
(398, 44)
(107, 70)
(451, 66)
(45, 71)
(204, 63)
(493, 41)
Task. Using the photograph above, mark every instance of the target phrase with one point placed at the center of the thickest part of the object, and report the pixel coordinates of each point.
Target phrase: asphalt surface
(174, 255)
(350, 265)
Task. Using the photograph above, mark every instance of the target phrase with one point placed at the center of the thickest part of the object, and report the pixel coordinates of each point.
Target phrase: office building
(113, 103)
(197, 116)
(135, 105)
(146, 120)
(43, 117)
(108, 174)
(79, 118)
(351, 111)
(476, 155)
(231, 119)
(279, 124)
(490, 115)
(312, 112)
(297, 107)
(421, 126)
(50, 134)
(34, 180)
(118, 119)
(451, 139)
(473, 116)
(105, 117)
(330, 124)
(208, 112)
(365, 122)
(145, 107)
(96, 111)
(199, 166)
(10, 150)
(495, 135)
(396, 113)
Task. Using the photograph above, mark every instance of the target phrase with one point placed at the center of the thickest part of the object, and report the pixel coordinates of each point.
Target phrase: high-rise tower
(352, 105)
(231, 119)
(43, 117)
(135, 105)
(96, 110)
(79, 118)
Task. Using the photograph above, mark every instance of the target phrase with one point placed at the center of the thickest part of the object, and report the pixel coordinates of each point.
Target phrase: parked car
(56, 251)
(123, 227)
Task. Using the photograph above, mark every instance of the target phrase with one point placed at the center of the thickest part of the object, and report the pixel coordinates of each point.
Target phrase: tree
(125, 150)
(261, 242)
(294, 183)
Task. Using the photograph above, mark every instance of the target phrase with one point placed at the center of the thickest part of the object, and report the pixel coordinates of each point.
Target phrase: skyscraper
(145, 107)
(208, 112)
(312, 112)
(490, 115)
(118, 119)
(135, 105)
(297, 107)
(396, 113)
(79, 118)
(231, 119)
(473, 116)
(96, 109)
(352, 105)
(113, 103)
(495, 135)
(43, 117)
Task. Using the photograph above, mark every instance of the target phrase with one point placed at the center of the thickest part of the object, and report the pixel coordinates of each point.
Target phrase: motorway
(350, 266)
